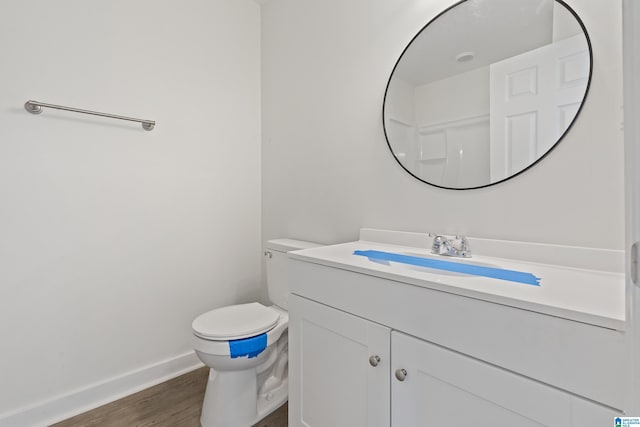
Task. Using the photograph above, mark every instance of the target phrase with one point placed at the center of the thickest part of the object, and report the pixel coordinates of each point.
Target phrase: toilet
(246, 348)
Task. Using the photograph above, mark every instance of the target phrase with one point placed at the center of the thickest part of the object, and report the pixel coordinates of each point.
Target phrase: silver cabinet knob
(374, 360)
(401, 374)
(268, 254)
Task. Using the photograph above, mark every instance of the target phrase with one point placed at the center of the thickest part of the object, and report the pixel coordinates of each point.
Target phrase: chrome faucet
(457, 246)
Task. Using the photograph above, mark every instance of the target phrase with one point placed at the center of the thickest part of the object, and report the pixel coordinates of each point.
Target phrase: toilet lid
(235, 322)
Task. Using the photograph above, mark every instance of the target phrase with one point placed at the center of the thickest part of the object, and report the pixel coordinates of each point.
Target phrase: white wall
(457, 97)
(113, 239)
(326, 167)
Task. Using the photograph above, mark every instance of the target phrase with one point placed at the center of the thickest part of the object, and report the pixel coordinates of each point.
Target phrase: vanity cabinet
(350, 371)
(339, 368)
(376, 343)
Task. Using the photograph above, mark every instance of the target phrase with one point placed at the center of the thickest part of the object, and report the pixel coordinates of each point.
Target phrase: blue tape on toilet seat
(250, 347)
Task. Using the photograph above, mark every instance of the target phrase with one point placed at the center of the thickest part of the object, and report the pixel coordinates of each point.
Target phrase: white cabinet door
(332, 382)
(443, 388)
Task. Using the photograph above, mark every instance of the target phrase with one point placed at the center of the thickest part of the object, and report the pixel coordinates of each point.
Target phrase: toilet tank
(277, 276)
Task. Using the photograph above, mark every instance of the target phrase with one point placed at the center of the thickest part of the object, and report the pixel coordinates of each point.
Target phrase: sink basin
(432, 270)
(418, 268)
(468, 261)
(465, 261)
(447, 266)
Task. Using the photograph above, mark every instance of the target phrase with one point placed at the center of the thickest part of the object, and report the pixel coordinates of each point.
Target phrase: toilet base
(231, 399)
(269, 402)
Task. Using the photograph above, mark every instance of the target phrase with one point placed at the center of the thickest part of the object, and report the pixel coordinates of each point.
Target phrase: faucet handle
(463, 246)
(463, 240)
(438, 242)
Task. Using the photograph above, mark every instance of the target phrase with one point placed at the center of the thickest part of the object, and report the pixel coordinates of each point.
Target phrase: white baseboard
(67, 405)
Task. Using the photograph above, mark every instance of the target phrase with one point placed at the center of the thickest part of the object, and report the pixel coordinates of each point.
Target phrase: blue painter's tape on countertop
(250, 347)
(458, 267)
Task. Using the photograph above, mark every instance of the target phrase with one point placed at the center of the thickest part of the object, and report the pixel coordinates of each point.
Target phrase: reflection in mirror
(485, 90)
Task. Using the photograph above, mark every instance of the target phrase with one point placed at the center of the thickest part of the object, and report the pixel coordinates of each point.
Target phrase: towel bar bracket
(32, 108)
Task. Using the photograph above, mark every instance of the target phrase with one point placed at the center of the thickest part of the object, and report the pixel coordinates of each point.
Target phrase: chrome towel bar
(35, 107)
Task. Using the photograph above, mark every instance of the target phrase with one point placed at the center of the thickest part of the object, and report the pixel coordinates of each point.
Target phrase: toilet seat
(235, 322)
(223, 348)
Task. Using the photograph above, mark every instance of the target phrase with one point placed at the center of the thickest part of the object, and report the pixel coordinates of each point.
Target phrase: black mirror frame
(584, 99)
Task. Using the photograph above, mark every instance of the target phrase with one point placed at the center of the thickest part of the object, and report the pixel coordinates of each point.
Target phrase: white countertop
(590, 296)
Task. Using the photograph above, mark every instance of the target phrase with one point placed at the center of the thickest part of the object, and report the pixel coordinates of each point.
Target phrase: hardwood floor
(176, 402)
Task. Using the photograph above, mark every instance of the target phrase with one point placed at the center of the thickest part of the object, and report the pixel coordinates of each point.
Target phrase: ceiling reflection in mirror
(485, 90)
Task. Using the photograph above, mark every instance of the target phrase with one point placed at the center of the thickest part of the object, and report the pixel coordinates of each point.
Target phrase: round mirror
(485, 90)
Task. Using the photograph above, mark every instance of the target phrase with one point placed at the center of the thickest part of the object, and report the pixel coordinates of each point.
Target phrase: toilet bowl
(246, 348)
